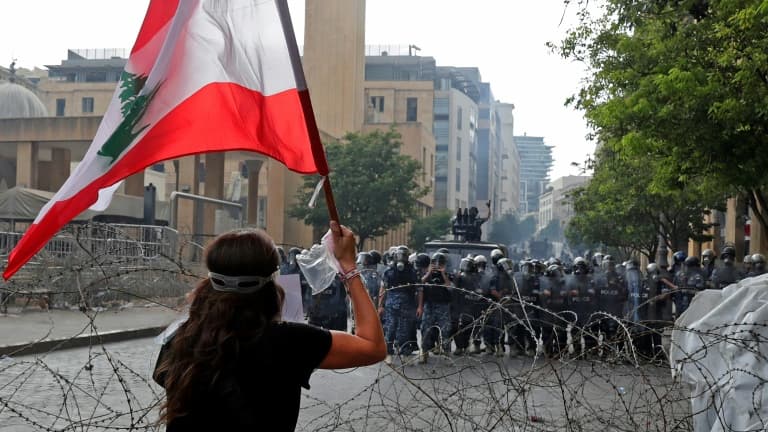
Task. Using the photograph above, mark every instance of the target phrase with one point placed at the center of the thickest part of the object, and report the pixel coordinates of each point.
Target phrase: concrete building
(399, 94)
(509, 191)
(535, 163)
(455, 125)
(555, 204)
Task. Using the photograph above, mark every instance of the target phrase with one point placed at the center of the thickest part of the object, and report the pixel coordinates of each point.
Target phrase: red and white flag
(203, 76)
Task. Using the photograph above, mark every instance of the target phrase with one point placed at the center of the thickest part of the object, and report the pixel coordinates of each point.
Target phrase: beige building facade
(510, 161)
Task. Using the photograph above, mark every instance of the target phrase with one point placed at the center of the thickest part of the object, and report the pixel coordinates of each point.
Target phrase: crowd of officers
(497, 306)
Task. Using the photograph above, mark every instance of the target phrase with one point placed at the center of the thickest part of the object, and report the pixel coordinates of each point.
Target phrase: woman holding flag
(234, 365)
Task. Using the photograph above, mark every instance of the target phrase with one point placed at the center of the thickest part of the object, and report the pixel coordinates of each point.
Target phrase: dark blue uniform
(436, 318)
(400, 310)
(329, 307)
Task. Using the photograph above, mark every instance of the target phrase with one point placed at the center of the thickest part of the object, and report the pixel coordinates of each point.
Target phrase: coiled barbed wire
(613, 384)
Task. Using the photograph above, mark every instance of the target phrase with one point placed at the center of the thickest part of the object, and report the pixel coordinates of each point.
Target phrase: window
(458, 118)
(378, 103)
(458, 148)
(412, 108)
(87, 105)
(60, 106)
(458, 180)
(95, 76)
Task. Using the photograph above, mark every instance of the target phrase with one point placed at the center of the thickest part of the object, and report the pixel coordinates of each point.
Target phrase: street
(107, 388)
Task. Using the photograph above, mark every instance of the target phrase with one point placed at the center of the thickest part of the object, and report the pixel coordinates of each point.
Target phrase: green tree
(682, 83)
(431, 227)
(620, 208)
(375, 187)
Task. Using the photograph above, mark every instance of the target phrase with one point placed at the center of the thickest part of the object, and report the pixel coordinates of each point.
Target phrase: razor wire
(610, 384)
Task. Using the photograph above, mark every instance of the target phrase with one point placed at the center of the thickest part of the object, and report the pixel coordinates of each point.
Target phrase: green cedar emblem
(133, 107)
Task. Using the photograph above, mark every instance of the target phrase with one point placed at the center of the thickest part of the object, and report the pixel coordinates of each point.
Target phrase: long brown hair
(220, 323)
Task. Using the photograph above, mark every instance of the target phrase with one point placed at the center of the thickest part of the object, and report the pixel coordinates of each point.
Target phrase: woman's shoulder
(283, 329)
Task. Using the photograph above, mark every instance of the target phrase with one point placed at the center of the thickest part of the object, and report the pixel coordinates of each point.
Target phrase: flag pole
(318, 152)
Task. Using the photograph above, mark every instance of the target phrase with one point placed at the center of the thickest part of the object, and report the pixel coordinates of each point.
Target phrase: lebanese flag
(203, 76)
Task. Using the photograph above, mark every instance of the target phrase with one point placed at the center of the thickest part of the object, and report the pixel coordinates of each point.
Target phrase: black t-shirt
(261, 390)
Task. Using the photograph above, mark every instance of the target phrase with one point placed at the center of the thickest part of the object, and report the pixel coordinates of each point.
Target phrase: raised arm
(367, 345)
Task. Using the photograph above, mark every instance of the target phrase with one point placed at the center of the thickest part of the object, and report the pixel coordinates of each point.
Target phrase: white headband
(240, 284)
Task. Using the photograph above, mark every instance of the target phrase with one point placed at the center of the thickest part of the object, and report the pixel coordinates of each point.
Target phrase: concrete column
(134, 185)
(61, 159)
(254, 169)
(214, 188)
(188, 182)
(26, 164)
(758, 242)
(734, 226)
(276, 201)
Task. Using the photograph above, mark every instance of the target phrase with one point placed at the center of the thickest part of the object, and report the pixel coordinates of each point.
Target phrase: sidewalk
(38, 331)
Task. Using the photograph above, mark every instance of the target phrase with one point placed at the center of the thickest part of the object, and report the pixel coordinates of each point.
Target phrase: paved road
(38, 325)
(106, 388)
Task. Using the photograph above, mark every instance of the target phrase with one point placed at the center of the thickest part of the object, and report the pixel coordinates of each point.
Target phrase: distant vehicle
(466, 232)
(458, 250)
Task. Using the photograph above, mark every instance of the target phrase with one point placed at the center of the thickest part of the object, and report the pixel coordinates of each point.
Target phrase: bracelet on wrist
(347, 276)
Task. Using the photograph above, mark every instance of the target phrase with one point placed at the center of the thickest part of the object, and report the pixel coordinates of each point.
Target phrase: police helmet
(552, 270)
(412, 258)
(496, 255)
(609, 263)
(401, 254)
(281, 252)
(422, 260)
(758, 259)
(292, 252)
(728, 251)
(467, 266)
(748, 259)
(708, 254)
(304, 252)
(480, 259)
(679, 257)
(506, 265)
(632, 264)
(363, 259)
(580, 266)
(375, 257)
(444, 251)
(597, 259)
(652, 269)
(692, 261)
(439, 259)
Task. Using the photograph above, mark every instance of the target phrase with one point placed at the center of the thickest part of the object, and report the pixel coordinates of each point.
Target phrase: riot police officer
(582, 300)
(728, 273)
(528, 328)
(688, 281)
(660, 308)
(329, 307)
(469, 304)
(611, 296)
(639, 307)
(552, 299)
(496, 284)
(371, 277)
(397, 302)
(435, 306)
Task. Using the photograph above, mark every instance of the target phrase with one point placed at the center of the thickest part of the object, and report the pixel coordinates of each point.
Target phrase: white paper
(293, 311)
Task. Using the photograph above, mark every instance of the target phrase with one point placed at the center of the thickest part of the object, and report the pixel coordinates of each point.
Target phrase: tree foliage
(509, 229)
(431, 227)
(375, 187)
(620, 208)
(682, 83)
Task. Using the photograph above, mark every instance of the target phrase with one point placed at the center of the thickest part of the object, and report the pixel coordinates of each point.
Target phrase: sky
(505, 39)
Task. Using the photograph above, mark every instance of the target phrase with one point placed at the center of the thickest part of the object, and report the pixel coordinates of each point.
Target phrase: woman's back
(261, 386)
